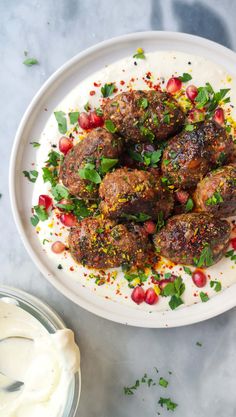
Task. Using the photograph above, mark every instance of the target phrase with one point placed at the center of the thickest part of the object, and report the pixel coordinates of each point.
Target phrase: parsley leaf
(107, 164)
(89, 173)
(143, 103)
(170, 405)
(130, 390)
(185, 77)
(189, 128)
(175, 290)
(108, 89)
(163, 382)
(73, 116)
(35, 144)
(59, 192)
(41, 212)
(189, 205)
(50, 176)
(187, 270)
(30, 61)
(31, 175)
(34, 220)
(139, 217)
(216, 285)
(231, 254)
(61, 121)
(216, 198)
(139, 54)
(54, 159)
(205, 258)
(147, 133)
(110, 127)
(204, 297)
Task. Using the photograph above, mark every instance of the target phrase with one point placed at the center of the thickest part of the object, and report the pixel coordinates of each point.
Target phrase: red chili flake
(92, 93)
(71, 268)
(148, 75)
(115, 90)
(97, 84)
(132, 80)
(122, 82)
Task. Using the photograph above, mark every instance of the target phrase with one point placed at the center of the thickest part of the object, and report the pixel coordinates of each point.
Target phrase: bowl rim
(159, 35)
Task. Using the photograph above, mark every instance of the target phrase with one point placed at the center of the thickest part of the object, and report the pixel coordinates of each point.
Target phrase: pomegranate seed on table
(68, 219)
(84, 121)
(45, 201)
(58, 247)
(173, 85)
(95, 120)
(150, 296)
(233, 243)
(65, 144)
(219, 116)
(191, 92)
(199, 278)
(138, 295)
(150, 227)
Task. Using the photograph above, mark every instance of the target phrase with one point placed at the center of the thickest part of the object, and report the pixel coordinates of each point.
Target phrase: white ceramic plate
(35, 118)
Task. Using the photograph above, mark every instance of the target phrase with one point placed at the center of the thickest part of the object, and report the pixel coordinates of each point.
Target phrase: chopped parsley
(107, 89)
(89, 173)
(204, 297)
(174, 290)
(143, 103)
(189, 205)
(73, 116)
(30, 61)
(206, 258)
(216, 285)
(187, 270)
(147, 133)
(185, 77)
(59, 192)
(166, 118)
(135, 278)
(130, 390)
(40, 215)
(210, 99)
(139, 217)
(189, 128)
(170, 405)
(99, 111)
(110, 127)
(139, 54)
(163, 382)
(35, 144)
(54, 159)
(231, 254)
(61, 121)
(50, 175)
(31, 175)
(147, 158)
(216, 198)
(160, 221)
(107, 164)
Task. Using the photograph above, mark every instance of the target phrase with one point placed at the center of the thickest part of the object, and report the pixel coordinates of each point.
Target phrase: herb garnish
(204, 297)
(135, 278)
(147, 158)
(107, 164)
(139, 54)
(216, 285)
(59, 192)
(175, 290)
(87, 106)
(210, 99)
(163, 382)
(231, 254)
(110, 127)
(185, 77)
(108, 89)
(89, 173)
(61, 121)
(216, 198)
(54, 159)
(143, 103)
(189, 205)
(147, 133)
(41, 215)
(35, 144)
(199, 344)
(189, 128)
(73, 116)
(187, 270)
(30, 61)
(170, 405)
(31, 175)
(206, 257)
(139, 217)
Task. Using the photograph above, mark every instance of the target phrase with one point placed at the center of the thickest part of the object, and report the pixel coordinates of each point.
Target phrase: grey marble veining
(203, 380)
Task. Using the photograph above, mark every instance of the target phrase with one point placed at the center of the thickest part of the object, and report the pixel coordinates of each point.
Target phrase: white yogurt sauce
(162, 65)
(46, 365)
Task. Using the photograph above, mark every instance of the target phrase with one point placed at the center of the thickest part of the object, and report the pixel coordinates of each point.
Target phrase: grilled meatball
(143, 116)
(216, 193)
(193, 239)
(127, 192)
(190, 155)
(99, 243)
(97, 144)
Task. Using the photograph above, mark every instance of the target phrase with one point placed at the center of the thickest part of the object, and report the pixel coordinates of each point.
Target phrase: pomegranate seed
(45, 201)
(58, 247)
(191, 92)
(173, 85)
(65, 145)
(196, 115)
(68, 219)
(150, 227)
(182, 196)
(95, 120)
(199, 278)
(138, 295)
(233, 243)
(219, 116)
(150, 296)
(84, 121)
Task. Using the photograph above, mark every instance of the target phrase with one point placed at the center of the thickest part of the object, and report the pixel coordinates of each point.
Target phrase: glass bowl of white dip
(27, 316)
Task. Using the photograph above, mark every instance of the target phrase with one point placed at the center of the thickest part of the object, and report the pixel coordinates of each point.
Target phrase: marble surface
(203, 378)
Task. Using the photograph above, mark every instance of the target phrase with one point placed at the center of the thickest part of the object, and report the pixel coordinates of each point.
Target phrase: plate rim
(145, 35)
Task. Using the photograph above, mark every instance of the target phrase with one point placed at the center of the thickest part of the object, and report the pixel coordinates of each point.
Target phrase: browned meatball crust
(99, 243)
(189, 156)
(131, 192)
(216, 193)
(144, 116)
(193, 238)
(97, 144)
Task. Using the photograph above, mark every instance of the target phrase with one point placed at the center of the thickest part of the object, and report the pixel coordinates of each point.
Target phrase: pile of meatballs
(197, 163)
